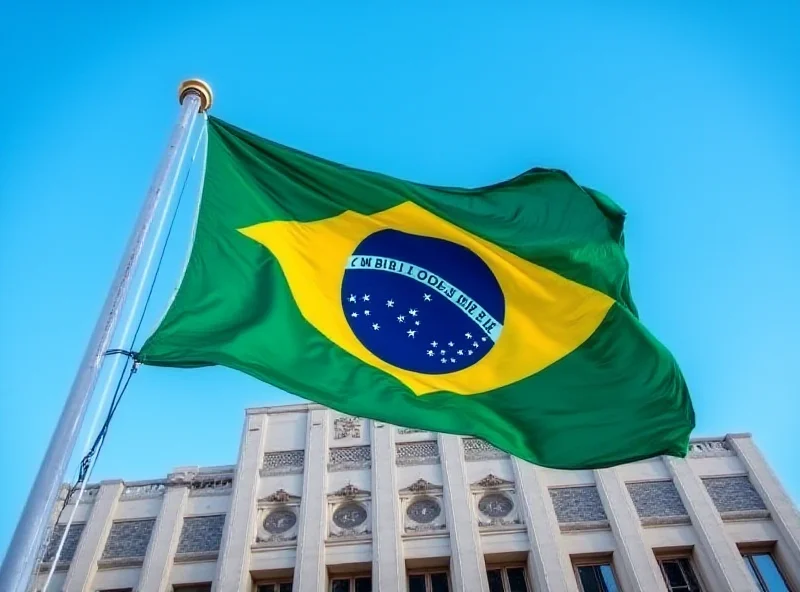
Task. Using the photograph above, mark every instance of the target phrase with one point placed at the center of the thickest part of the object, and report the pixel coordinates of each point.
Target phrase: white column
(467, 565)
(782, 511)
(388, 564)
(548, 565)
(233, 566)
(83, 567)
(164, 542)
(637, 560)
(727, 565)
(309, 570)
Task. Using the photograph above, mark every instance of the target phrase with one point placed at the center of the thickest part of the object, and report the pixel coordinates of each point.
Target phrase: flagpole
(17, 570)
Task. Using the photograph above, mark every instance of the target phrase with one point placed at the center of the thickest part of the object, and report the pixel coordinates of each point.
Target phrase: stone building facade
(319, 501)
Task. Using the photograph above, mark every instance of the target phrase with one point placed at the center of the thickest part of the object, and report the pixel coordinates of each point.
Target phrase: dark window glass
(589, 579)
(439, 582)
(495, 577)
(516, 580)
(674, 575)
(679, 575)
(694, 585)
(287, 587)
(597, 578)
(416, 583)
(340, 586)
(364, 584)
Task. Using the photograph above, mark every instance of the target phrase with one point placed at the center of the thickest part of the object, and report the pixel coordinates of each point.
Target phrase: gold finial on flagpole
(198, 87)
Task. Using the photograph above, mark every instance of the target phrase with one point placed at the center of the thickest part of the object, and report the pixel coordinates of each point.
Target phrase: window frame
(752, 566)
(594, 561)
(506, 566)
(350, 577)
(273, 583)
(688, 556)
(427, 573)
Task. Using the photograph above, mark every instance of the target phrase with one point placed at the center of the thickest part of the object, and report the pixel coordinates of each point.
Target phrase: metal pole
(17, 569)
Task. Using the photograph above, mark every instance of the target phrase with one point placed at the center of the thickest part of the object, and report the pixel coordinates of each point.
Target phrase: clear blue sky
(686, 113)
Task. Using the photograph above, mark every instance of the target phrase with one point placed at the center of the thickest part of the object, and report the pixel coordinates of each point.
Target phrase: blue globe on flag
(422, 304)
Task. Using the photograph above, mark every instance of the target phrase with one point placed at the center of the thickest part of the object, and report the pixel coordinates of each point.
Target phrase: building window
(598, 577)
(282, 586)
(507, 579)
(679, 575)
(765, 572)
(352, 584)
(192, 588)
(433, 581)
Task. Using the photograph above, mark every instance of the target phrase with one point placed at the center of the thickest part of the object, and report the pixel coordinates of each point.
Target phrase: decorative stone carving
(709, 449)
(492, 481)
(346, 427)
(496, 508)
(578, 508)
(201, 534)
(735, 497)
(89, 494)
(422, 507)
(495, 505)
(181, 477)
(277, 518)
(657, 503)
(70, 543)
(349, 515)
(219, 482)
(279, 521)
(349, 509)
(424, 510)
(211, 485)
(349, 491)
(144, 490)
(128, 539)
(284, 462)
(421, 486)
(417, 453)
(349, 458)
(281, 495)
(477, 449)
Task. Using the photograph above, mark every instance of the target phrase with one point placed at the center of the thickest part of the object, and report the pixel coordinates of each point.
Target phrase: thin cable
(89, 460)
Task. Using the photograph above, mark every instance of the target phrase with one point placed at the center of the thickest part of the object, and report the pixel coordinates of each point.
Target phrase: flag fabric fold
(502, 312)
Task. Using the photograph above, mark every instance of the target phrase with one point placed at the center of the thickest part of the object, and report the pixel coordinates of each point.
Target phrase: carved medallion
(279, 521)
(350, 515)
(495, 505)
(424, 510)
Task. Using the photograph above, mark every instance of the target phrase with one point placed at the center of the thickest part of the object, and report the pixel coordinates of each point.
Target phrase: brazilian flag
(502, 312)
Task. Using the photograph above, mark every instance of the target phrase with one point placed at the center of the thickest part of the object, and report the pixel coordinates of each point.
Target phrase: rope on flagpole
(89, 460)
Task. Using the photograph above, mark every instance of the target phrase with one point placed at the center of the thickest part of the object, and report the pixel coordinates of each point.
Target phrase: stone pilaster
(728, 568)
(636, 558)
(388, 565)
(467, 566)
(166, 532)
(309, 570)
(782, 511)
(233, 565)
(83, 567)
(548, 565)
